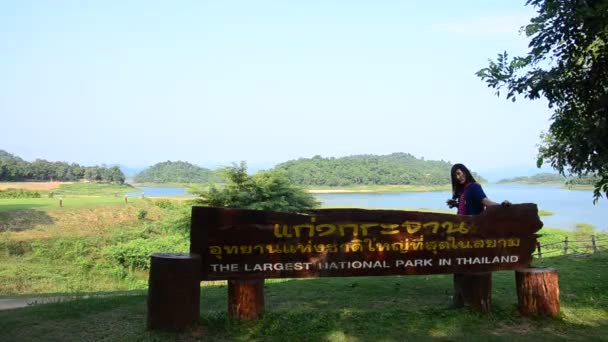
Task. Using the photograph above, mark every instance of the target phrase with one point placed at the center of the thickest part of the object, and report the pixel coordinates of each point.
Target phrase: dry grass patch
(32, 185)
(27, 225)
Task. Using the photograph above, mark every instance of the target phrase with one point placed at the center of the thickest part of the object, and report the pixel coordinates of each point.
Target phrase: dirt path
(16, 303)
(23, 302)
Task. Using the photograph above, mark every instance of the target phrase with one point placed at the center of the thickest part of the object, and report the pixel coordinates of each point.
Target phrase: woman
(467, 194)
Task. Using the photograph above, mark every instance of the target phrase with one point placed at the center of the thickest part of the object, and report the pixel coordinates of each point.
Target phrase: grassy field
(8, 205)
(100, 246)
(393, 308)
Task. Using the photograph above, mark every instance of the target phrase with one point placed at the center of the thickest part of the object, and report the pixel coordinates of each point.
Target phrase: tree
(270, 190)
(567, 63)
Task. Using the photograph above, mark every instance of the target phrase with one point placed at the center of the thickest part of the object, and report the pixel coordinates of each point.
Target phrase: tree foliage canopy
(13, 168)
(567, 63)
(176, 172)
(269, 190)
(393, 169)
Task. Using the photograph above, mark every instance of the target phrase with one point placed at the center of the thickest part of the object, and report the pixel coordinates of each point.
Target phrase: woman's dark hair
(457, 188)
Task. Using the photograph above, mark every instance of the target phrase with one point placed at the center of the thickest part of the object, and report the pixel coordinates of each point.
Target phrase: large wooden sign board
(249, 244)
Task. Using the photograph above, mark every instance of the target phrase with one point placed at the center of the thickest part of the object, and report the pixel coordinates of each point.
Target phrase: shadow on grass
(287, 318)
(392, 308)
(23, 219)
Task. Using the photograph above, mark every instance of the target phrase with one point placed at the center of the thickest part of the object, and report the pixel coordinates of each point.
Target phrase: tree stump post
(173, 291)
(245, 298)
(473, 290)
(537, 291)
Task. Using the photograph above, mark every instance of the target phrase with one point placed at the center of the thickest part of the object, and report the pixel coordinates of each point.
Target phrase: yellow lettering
(325, 229)
(434, 225)
(389, 229)
(412, 227)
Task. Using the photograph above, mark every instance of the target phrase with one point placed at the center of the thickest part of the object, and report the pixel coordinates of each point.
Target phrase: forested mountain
(393, 169)
(540, 178)
(176, 172)
(13, 168)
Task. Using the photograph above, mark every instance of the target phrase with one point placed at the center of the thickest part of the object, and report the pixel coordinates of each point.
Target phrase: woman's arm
(488, 203)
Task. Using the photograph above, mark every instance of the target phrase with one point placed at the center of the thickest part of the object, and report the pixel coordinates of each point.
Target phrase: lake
(150, 191)
(569, 206)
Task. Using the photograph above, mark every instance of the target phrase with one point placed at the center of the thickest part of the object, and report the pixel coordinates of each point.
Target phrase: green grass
(94, 189)
(392, 308)
(99, 249)
(7, 205)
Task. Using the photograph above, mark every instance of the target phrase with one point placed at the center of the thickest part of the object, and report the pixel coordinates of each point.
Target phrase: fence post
(540, 255)
(593, 243)
(566, 245)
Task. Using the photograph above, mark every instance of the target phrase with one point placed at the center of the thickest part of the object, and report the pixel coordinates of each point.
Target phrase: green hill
(176, 172)
(392, 169)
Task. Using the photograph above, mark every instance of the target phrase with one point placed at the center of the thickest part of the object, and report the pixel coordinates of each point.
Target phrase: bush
(19, 193)
(164, 204)
(135, 254)
(141, 214)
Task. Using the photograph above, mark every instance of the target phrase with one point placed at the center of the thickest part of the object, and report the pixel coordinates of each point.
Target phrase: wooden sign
(248, 244)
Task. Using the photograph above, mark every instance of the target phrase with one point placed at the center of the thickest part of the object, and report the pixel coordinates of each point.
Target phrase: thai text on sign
(242, 244)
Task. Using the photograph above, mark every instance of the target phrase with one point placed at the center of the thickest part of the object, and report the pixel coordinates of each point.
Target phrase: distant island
(177, 172)
(366, 172)
(540, 178)
(584, 182)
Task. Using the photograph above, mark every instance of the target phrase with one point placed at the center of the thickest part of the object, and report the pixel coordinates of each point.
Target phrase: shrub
(141, 214)
(135, 254)
(164, 204)
(19, 193)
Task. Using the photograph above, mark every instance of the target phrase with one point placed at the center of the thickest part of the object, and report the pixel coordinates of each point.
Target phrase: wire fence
(572, 247)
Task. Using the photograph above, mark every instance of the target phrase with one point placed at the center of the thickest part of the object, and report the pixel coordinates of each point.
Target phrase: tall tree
(567, 63)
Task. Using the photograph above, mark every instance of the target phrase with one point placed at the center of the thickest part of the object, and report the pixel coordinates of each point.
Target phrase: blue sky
(216, 82)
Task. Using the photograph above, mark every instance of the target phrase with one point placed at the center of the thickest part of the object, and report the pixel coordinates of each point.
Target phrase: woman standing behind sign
(467, 194)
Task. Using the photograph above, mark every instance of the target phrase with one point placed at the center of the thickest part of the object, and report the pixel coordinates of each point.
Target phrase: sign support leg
(473, 290)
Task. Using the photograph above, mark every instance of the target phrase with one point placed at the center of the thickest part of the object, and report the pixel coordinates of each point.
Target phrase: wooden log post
(246, 298)
(173, 291)
(473, 290)
(537, 291)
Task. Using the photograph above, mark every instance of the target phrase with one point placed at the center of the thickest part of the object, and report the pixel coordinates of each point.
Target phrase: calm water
(150, 191)
(569, 206)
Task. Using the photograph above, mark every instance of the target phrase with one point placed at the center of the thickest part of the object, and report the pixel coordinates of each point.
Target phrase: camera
(452, 203)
